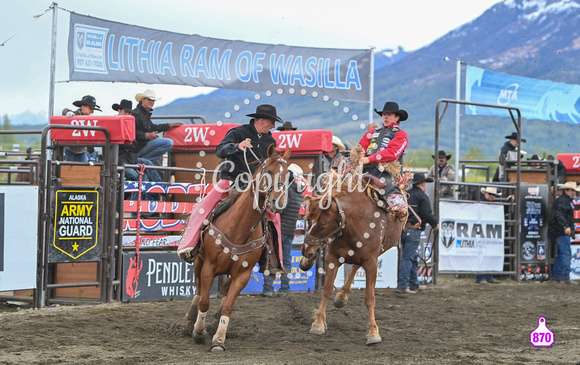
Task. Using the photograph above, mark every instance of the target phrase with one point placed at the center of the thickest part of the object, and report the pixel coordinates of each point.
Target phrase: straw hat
(569, 185)
(338, 142)
(149, 94)
(296, 170)
(490, 190)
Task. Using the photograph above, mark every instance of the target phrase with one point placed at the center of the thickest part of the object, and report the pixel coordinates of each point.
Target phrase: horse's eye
(321, 228)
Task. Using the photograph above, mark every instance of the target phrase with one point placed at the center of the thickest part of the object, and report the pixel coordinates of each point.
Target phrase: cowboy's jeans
(155, 149)
(408, 270)
(561, 270)
(287, 262)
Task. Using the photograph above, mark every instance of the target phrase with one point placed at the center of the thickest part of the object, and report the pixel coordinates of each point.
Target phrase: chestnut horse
(233, 243)
(354, 230)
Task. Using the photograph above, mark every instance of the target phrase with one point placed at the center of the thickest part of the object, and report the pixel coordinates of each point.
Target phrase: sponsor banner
(130, 225)
(536, 99)
(299, 280)
(533, 211)
(304, 142)
(75, 228)
(162, 276)
(152, 241)
(471, 237)
(18, 237)
(167, 188)
(101, 50)
(199, 137)
(159, 207)
(121, 129)
(386, 272)
(575, 263)
(156, 276)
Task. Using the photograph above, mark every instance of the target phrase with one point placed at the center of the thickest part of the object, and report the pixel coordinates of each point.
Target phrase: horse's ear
(287, 154)
(271, 150)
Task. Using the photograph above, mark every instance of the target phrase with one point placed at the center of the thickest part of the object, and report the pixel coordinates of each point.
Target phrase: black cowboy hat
(89, 101)
(419, 177)
(514, 135)
(126, 105)
(266, 111)
(442, 154)
(287, 126)
(392, 107)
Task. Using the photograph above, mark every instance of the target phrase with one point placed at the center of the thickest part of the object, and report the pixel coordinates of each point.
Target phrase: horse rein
(321, 242)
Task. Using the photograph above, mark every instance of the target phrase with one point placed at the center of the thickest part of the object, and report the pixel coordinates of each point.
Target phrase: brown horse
(233, 243)
(355, 231)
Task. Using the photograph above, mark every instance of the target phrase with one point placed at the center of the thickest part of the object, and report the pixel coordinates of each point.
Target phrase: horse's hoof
(199, 338)
(339, 303)
(317, 330)
(373, 339)
(218, 346)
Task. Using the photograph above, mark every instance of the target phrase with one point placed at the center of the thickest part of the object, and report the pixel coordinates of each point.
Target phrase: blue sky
(25, 59)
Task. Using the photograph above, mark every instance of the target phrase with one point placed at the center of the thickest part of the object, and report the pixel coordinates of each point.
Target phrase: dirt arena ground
(455, 322)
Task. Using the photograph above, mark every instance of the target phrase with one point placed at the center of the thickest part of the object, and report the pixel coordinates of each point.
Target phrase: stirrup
(188, 254)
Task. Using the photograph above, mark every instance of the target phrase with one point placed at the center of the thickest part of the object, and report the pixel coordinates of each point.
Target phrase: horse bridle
(321, 242)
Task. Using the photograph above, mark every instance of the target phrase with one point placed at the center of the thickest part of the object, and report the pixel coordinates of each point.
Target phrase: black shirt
(419, 201)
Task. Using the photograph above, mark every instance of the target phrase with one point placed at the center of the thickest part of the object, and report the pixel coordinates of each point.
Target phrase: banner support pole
(372, 85)
(54, 8)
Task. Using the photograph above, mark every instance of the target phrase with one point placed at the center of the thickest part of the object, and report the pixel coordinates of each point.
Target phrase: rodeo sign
(76, 225)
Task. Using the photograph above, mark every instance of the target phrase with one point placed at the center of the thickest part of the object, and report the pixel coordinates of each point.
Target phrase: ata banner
(471, 237)
(101, 50)
(536, 99)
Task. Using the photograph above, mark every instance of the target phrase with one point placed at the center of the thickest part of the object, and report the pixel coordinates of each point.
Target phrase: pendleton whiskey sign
(76, 225)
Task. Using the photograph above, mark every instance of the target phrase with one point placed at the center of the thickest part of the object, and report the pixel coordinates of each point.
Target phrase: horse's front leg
(319, 325)
(341, 298)
(238, 282)
(204, 275)
(371, 276)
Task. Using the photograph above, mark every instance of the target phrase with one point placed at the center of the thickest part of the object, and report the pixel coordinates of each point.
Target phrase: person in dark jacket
(288, 218)
(86, 106)
(254, 136)
(148, 144)
(562, 229)
(419, 202)
(504, 154)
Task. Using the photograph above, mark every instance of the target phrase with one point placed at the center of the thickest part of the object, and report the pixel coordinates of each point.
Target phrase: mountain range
(531, 38)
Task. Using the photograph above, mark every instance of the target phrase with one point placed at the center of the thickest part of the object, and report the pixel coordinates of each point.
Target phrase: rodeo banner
(101, 50)
(75, 230)
(471, 237)
(536, 99)
(534, 235)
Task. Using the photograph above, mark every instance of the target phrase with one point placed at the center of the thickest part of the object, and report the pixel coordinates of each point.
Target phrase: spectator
(507, 153)
(335, 157)
(287, 126)
(560, 169)
(127, 156)
(535, 165)
(87, 106)
(148, 144)
(288, 217)
(487, 195)
(561, 229)
(446, 172)
(408, 283)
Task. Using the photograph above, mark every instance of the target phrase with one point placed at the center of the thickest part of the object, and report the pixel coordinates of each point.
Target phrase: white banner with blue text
(471, 237)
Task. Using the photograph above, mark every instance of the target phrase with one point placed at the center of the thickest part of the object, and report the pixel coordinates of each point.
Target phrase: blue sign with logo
(536, 99)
